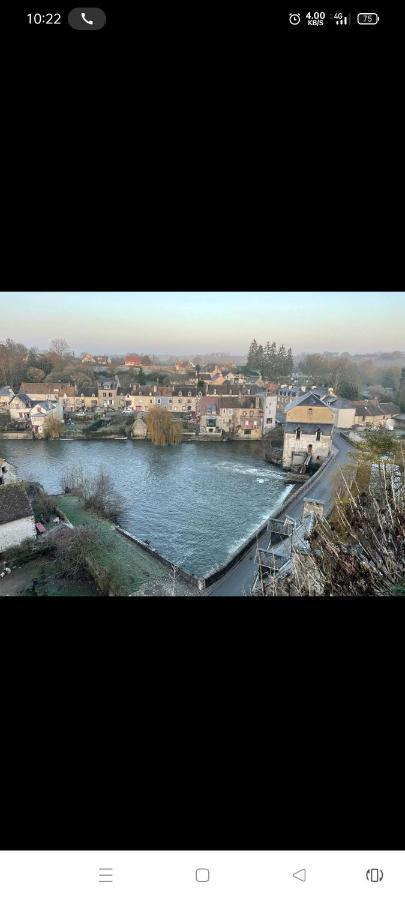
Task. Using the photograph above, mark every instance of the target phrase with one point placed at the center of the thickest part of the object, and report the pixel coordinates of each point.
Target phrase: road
(238, 580)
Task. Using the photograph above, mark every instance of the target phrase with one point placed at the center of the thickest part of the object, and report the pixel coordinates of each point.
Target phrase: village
(297, 420)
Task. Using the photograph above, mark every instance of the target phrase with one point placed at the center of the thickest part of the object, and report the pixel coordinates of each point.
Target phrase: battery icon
(368, 18)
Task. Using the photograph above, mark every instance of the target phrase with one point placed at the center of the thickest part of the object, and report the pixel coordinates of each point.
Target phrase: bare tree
(59, 346)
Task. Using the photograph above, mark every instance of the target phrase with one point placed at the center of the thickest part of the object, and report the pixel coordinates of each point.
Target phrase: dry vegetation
(96, 491)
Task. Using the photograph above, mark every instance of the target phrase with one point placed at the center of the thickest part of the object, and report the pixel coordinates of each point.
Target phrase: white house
(41, 412)
(20, 407)
(17, 522)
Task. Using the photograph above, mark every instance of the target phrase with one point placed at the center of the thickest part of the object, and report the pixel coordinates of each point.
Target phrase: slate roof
(309, 399)
(367, 409)
(25, 399)
(14, 503)
(390, 408)
(340, 403)
(6, 391)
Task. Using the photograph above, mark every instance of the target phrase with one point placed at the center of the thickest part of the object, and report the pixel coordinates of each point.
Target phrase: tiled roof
(14, 503)
(47, 388)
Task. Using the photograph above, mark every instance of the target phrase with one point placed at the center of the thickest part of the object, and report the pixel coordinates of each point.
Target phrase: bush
(97, 492)
(43, 506)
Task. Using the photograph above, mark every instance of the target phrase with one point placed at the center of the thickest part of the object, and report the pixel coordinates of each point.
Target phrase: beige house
(368, 412)
(308, 431)
(17, 522)
(109, 395)
(242, 417)
(344, 410)
(52, 391)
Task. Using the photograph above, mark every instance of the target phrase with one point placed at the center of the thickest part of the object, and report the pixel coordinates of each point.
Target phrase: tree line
(274, 363)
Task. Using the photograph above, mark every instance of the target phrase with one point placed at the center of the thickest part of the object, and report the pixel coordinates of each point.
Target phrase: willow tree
(162, 429)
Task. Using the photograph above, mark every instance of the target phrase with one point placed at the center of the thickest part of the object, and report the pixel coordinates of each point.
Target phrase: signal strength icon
(341, 19)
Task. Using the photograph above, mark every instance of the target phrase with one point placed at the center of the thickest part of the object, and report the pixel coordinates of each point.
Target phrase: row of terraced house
(246, 411)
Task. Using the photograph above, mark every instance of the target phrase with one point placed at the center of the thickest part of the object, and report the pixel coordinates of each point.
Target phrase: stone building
(17, 522)
(308, 430)
(368, 412)
(209, 413)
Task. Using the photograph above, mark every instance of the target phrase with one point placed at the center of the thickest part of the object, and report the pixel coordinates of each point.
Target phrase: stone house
(7, 472)
(41, 412)
(51, 391)
(209, 415)
(242, 417)
(86, 399)
(6, 394)
(368, 412)
(17, 522)
(109, 394)
(308, 430)
(87, 358)
(20, 408)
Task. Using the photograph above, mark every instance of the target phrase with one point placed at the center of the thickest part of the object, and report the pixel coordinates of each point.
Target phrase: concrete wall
(14, 533)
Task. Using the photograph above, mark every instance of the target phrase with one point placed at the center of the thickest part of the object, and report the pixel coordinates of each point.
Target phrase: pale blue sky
(189, 323)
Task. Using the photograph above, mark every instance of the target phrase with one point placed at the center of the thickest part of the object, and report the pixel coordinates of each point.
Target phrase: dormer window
(318, 434)
(298, 433)
(189, 393)
(180, 393)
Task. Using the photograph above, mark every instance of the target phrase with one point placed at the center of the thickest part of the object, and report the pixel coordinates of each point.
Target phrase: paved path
(238, 581)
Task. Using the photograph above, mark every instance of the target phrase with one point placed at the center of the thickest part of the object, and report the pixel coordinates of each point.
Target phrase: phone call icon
(87, 18)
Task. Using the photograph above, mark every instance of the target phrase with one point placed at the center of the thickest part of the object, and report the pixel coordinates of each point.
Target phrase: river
(196, 502)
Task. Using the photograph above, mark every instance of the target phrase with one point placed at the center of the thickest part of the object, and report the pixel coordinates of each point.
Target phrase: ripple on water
(196, 503)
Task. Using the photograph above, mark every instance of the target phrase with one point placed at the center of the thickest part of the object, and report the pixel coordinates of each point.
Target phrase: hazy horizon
(204, 323)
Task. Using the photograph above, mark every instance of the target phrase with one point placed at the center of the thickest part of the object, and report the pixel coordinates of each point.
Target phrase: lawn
(133, 567)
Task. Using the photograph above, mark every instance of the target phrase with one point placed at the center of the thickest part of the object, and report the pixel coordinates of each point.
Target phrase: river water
(196, 503)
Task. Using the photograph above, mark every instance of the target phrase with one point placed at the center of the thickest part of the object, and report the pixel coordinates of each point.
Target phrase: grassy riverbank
(132, 569)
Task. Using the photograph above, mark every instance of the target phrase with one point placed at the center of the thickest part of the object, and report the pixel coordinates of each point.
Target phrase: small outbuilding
(17, 522)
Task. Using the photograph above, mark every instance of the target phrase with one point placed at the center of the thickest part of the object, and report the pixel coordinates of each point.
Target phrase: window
(318, 434)
(269, 421)
(247, 431)
(298, 434)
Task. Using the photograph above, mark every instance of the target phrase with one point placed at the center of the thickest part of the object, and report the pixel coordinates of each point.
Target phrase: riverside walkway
(239, 579)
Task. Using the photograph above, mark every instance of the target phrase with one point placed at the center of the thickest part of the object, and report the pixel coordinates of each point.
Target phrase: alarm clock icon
(295, 18)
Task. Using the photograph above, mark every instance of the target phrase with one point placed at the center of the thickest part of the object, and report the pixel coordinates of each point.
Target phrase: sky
(191, 323)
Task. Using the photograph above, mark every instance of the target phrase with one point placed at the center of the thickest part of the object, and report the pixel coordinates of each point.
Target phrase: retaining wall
(190, 579)
(16, 436)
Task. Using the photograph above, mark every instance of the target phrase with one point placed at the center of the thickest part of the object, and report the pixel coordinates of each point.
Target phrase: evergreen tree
(289, 363)
(252, 354)
(401, 392)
